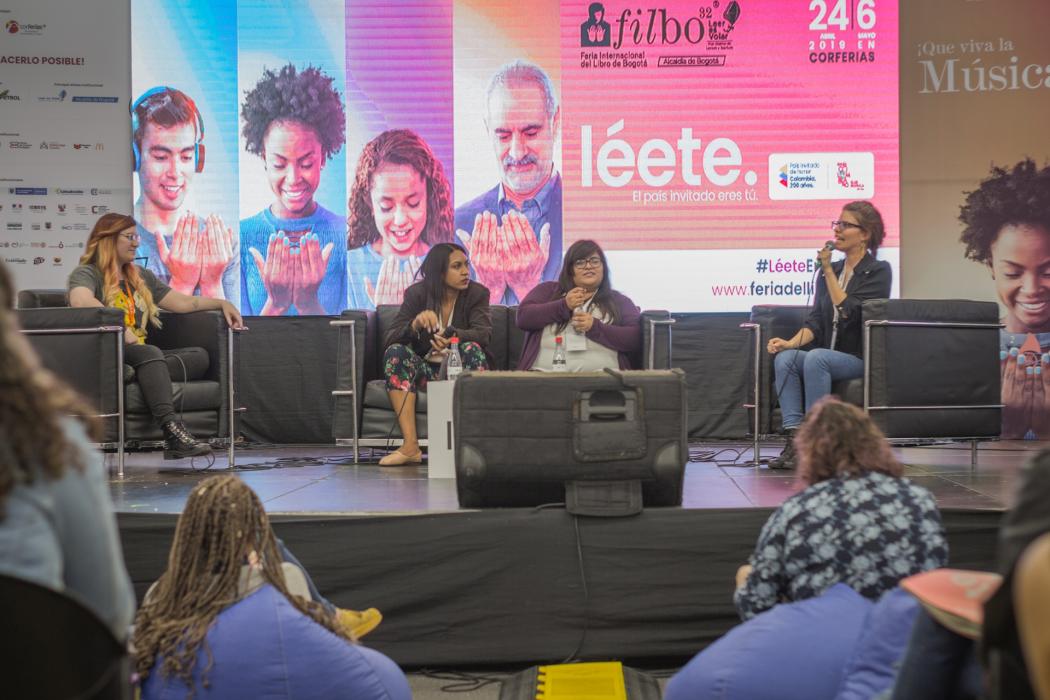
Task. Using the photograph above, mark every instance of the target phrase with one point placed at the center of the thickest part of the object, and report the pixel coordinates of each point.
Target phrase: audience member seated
(229, 619)
(858, 521)
(108, 276)
(446, 304)
(56, 519)
(605, 323)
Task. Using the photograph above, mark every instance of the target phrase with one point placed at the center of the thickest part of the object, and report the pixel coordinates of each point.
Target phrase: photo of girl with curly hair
(400, 205)
(293, 260)
(1007, 227)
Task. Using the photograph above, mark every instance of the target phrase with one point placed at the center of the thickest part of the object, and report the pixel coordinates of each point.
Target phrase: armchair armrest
(83, 346)
(656, 339)
(352, 328)
(767, 321)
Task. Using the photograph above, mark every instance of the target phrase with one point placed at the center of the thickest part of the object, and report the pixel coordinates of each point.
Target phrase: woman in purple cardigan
(600, 327)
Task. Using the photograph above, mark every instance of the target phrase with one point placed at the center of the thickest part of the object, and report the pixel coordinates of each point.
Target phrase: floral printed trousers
(407, 371)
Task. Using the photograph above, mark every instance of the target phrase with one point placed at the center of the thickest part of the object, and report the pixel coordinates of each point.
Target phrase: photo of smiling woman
(400, 205)
(293, 260)
(1007, 227)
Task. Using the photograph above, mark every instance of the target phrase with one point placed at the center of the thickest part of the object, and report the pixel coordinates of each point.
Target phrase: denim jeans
(937, 665)
(286, 554)
(813, 369)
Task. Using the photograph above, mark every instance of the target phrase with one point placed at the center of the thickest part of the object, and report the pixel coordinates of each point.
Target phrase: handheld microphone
(829, 245)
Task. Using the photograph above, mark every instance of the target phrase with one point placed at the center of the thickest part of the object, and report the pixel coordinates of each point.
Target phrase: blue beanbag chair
(265, 649)
(883, 642)
(795, 651)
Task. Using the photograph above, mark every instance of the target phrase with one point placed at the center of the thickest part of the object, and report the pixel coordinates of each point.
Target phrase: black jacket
(471, 318)
(871, 279)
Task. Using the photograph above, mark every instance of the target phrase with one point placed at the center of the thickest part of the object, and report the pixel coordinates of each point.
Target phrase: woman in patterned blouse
(858, 522)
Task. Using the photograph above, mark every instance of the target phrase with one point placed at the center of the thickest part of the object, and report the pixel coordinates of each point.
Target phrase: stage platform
(516, 586)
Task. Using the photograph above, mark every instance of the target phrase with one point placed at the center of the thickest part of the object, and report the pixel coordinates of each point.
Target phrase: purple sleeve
(537, 310)
(625, 336)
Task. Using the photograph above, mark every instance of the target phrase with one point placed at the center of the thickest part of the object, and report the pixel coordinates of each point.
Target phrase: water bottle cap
(454, 339)
(557, 340)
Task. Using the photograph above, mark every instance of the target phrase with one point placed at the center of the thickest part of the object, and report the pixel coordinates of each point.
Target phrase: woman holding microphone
(834, 324)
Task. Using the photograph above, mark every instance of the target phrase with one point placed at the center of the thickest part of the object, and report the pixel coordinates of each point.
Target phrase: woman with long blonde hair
(108, 276)
(56, 518)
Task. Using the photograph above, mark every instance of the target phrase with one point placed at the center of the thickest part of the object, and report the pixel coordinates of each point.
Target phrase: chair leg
(973, 456)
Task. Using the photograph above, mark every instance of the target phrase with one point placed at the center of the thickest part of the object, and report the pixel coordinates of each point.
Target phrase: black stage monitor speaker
(599, 441)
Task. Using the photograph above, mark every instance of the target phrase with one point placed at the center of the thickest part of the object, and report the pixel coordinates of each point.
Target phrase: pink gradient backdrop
(768, 98)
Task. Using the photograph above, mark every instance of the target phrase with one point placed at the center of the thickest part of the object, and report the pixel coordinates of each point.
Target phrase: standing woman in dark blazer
(834, 324)
(603, 324)
(445, 303)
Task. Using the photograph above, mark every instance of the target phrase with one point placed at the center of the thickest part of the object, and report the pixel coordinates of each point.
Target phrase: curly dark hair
(306, 97)
(838, 439)
(399, 147)
(1017, 196)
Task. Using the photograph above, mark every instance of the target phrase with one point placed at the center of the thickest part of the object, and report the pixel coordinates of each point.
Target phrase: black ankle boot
(788, 457)
(178, 443)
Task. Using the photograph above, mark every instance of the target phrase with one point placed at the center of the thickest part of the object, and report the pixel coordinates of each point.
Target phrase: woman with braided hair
(226, 563)
(56, 518)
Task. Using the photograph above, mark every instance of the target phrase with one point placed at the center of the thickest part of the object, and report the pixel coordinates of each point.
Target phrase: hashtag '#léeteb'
(761, 265)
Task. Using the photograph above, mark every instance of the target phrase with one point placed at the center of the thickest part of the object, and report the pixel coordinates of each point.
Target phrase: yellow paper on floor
(588, 681)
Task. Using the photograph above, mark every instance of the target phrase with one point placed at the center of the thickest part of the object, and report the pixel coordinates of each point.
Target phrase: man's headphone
(198, 146)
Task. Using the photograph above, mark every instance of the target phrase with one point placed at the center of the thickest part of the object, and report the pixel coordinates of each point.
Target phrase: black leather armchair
(931, 369)
(84, 346)
(363, 416)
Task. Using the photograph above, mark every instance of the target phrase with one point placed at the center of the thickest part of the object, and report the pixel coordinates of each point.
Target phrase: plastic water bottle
(454, 368)
(559, 364)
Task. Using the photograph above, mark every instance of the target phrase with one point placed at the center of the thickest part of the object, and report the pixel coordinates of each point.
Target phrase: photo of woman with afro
(1007, 227)
(293, 252)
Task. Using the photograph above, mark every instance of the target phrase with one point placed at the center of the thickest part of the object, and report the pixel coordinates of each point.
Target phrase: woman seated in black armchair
(605, 329)
(445, 304)
(108, 276)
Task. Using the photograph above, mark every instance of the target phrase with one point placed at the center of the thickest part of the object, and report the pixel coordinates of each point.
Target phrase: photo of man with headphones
(195, 255)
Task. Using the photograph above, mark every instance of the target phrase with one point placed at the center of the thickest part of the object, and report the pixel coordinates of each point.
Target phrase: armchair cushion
(850, 390)
(376, 397)
(42, 298)
(187, 396)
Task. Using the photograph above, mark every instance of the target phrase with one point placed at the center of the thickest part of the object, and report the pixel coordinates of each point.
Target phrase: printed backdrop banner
(713, 142)
(975, 92)
(63, 131)
(705, 145)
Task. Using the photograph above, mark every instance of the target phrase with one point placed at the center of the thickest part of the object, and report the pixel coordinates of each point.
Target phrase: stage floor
(316, 479)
